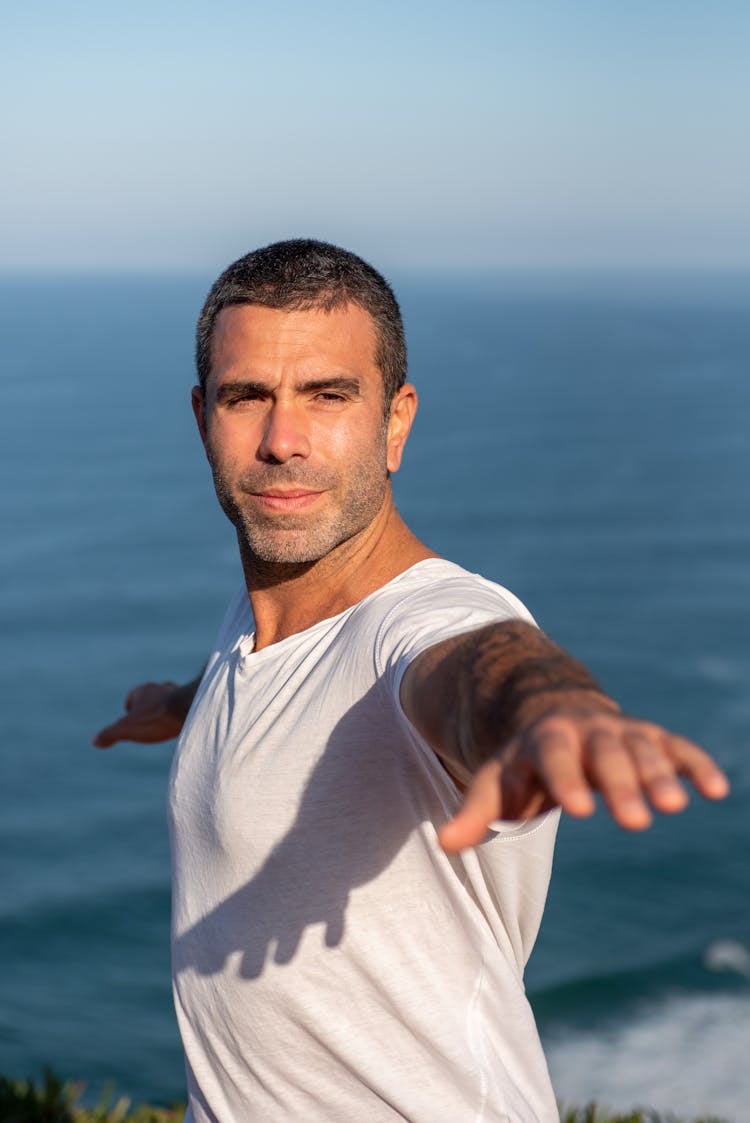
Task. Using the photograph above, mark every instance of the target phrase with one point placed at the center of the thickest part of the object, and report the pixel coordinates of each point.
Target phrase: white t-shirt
(331, 963)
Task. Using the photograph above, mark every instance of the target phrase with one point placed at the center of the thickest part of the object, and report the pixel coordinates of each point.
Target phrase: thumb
(482, 804)
(110, 734)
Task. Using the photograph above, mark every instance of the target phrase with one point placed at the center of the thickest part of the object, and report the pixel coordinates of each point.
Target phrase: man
(363, 799)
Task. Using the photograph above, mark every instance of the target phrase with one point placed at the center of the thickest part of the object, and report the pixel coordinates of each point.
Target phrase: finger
(519, 789)
(655, 769)
(108, 736)
(612, 771)
(480, 807)
(697, 767)
(126, 728)
(556, 747)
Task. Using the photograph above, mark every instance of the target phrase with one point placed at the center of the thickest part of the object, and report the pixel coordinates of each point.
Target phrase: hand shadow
(338, 842)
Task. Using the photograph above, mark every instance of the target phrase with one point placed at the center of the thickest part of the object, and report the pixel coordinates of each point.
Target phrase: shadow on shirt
(369, 792)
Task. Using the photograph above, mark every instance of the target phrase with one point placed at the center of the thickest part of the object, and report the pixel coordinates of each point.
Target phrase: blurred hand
(566, 756)
(154, 712)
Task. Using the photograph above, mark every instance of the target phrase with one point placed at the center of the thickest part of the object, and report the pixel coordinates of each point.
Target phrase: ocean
(581, 438)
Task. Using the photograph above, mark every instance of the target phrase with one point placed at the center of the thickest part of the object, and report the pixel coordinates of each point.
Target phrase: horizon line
(15, 271)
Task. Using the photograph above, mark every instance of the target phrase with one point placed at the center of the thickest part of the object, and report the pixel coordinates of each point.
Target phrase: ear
(198, 401)
(403, 408)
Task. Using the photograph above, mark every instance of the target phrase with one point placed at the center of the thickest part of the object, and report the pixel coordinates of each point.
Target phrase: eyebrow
(229, 390)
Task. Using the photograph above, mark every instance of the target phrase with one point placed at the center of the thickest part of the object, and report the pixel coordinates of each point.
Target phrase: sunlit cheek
(232, 440)
(334, 438)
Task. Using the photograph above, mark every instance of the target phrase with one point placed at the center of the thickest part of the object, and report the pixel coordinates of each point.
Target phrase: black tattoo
(508, 675)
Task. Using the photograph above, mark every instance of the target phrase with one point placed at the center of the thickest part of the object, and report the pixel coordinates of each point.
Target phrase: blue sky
(170, 135)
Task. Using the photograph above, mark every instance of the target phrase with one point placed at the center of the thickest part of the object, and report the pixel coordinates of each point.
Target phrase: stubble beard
(300, 538)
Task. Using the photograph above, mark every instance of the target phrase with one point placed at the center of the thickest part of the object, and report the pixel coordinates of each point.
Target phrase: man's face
(293, 426)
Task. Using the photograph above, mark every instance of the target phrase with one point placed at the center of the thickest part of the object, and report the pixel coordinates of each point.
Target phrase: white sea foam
(728, 955)
(687, 1054)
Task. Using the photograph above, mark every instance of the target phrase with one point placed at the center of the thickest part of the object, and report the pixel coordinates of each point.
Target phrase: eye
(247, 397)
(329, 399)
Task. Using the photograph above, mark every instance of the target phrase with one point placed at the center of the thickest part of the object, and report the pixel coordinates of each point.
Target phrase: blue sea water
(582, 439)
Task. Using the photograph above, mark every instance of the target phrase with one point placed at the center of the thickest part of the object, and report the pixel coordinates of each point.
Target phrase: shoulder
(432, 601)
(443, 591)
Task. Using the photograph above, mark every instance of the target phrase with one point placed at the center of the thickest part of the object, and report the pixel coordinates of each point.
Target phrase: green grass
(593, 1113)
(55, 1101)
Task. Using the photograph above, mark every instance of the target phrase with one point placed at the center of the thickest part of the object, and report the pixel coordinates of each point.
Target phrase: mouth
(296, 499)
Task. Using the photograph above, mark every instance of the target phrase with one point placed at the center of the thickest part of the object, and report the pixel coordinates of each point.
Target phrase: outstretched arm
(154, 712)
(526, 727)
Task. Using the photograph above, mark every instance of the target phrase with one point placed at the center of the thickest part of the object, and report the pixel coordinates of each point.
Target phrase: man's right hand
(154, 712)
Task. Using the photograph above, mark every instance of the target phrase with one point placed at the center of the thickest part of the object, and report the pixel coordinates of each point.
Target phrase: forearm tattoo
(508, 675)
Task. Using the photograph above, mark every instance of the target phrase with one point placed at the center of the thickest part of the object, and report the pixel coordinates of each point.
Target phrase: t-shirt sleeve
(445, 608)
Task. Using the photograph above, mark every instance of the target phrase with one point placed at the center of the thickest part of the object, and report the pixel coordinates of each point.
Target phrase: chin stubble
(297, 538)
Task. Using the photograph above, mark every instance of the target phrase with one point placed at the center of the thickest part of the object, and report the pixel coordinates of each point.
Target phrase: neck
(290, 598)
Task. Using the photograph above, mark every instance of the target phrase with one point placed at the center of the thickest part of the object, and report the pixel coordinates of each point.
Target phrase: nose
(284, 434)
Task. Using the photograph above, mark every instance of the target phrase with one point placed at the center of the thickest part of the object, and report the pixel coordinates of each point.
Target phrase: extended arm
(526, 727)
(154, 712)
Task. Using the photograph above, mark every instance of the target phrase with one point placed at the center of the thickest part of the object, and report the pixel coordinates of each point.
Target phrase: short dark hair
(302, 274)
